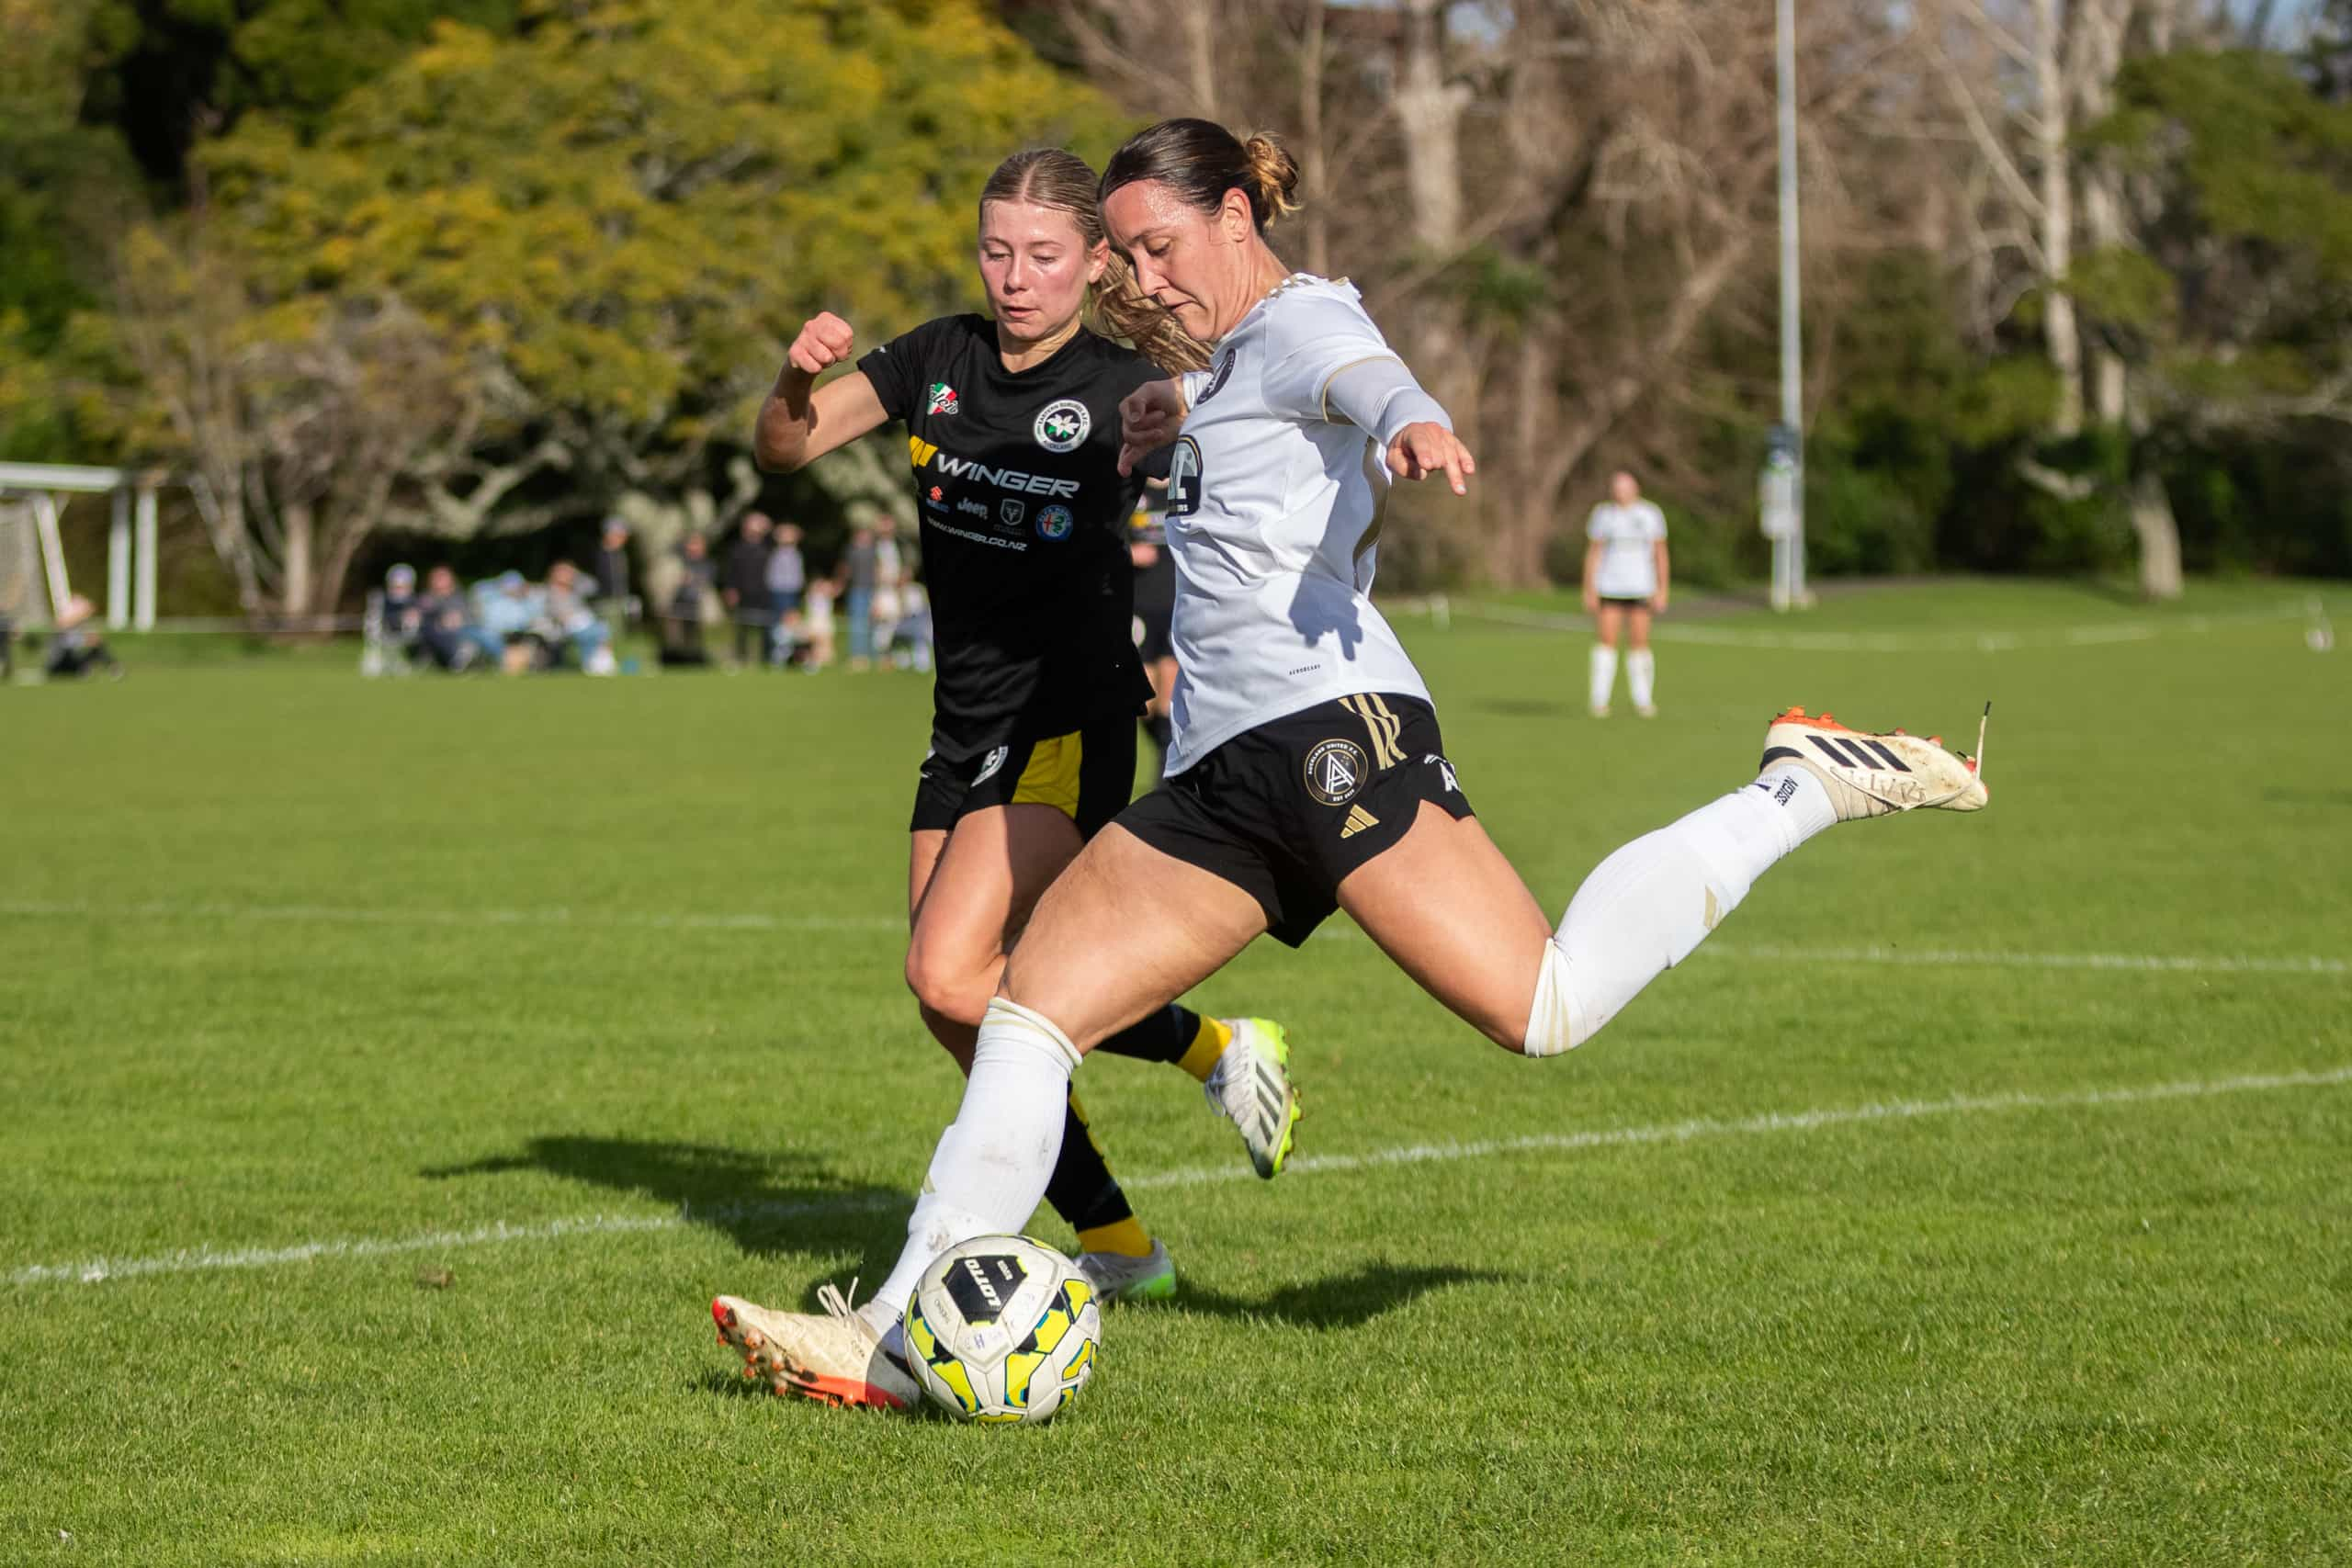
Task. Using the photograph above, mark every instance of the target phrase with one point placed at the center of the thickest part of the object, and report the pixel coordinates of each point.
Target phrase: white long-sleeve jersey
(1273, 512)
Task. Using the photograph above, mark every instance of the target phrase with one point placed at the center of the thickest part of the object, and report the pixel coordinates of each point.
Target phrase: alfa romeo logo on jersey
(1062, 425)
(943, 399)
(1054, 522)
(1335, 771)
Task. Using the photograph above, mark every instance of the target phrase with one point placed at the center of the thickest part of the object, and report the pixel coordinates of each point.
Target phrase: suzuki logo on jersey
(1185, 478)
(1061, 426)
(943, 399)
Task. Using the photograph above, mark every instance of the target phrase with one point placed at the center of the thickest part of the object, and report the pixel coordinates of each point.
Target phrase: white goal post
(32, 489)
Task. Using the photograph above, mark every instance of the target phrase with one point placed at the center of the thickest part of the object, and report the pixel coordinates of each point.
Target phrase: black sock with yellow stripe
(1162, 1036)
(1087, 1196)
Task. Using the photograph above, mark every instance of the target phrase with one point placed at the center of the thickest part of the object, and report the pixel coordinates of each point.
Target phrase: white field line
(592, 919)
(1990, 641)
(200, 1260)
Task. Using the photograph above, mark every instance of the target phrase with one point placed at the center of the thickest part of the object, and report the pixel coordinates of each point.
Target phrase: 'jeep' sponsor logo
(977, 509)
(1005, 479)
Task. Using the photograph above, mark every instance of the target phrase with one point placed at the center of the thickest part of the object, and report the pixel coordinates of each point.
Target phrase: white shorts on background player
(1628, 537)
(1273, 505)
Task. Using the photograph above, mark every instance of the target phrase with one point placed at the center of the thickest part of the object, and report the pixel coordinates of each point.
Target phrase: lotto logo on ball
(1054, 522)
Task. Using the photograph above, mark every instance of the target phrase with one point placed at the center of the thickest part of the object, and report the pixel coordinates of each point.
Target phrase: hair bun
(1274, 178)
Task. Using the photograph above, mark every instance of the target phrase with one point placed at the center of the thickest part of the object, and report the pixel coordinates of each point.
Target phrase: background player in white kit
(1307, 773)
(1624, 582)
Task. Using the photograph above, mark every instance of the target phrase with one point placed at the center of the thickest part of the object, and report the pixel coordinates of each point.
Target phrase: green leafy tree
(616, 220)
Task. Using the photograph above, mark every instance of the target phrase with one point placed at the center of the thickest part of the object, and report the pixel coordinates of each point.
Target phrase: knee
(947, 988)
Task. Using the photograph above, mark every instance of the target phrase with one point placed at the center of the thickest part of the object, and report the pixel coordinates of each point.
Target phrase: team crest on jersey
(990, 763)
(1222, 373)
(1335, 771)
(942, 400)
(1444, 771)
(1054, 522)
(1062, 425)
(1185, 478)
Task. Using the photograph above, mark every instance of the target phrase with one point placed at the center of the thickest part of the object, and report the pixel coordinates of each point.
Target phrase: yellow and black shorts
(1086, 774)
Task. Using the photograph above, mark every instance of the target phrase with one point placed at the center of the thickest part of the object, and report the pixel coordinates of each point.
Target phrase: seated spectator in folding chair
(569, 624)
(447, 632)
(76, 648)
(504, 608)
(909, 642)
(401, 613)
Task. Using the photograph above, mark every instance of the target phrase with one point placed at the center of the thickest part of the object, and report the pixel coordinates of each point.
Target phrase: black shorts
(1625, 604)
(1088, 774)
(1288, 809)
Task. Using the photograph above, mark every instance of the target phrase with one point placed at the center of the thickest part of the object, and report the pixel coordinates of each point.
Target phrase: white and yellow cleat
(832, 1357)
(1250, 1084)
(1876, 775)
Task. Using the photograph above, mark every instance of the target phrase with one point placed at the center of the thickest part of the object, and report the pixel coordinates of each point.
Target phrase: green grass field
(390, 1072)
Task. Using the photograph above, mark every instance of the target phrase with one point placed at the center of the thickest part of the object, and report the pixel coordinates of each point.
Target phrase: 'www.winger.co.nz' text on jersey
(1272, 511)
(1023, 538)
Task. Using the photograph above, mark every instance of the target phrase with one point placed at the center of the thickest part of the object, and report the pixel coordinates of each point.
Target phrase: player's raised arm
(800, 421)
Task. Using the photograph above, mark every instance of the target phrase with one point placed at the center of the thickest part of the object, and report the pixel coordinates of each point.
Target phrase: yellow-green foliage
(631, 207)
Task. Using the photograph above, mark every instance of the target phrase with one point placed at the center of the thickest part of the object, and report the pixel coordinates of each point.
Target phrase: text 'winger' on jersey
(1023, 527)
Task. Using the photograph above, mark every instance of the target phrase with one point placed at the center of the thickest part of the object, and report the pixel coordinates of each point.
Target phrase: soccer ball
(1003, 1330)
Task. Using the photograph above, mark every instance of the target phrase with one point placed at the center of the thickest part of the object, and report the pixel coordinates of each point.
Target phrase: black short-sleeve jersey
(1023, 527)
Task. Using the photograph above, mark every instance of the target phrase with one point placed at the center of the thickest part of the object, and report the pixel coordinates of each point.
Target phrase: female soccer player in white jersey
(1625, 582)
(1307, 773)
(1014, 445)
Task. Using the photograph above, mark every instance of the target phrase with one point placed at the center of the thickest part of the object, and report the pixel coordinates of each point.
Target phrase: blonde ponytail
(1274, 178)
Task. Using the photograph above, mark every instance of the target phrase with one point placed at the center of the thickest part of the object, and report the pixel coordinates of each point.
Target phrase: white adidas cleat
(833, 1357)
(1119, 1278)
(1877, 776)
(1251, 1086)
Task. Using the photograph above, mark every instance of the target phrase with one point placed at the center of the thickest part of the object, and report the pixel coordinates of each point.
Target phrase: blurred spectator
(909, 640)
(403, 612)
(505, 608)
(787, 579)
(76, 647)
(446, 630)
(682, 622)
(7, 647)
(611, 572)
(858, 577)
(817, 625)
(747, 604)
(567, 622)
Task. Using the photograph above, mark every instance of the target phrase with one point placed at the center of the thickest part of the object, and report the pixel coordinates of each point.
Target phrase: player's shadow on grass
(767, 1204)
(1338, 1301)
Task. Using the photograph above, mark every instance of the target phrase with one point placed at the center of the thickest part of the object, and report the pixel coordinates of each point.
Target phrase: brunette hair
(1199, 160)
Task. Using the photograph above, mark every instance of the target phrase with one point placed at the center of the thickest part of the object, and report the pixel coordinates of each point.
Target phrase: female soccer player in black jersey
(1013, 444)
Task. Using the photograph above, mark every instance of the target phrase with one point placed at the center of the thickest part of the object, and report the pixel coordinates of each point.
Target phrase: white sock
(989, 1172)
(1641, 675)
(1648, 906)
(1604, 674)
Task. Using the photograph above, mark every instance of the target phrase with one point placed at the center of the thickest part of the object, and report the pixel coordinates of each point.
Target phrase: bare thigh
(1611, 620)
(1125, 930)
(1449, 910)
(1638, 619)
(987, 878)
